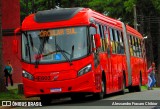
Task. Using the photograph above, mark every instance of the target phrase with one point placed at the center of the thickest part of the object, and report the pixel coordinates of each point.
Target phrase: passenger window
(92, 31)
(130, 44)
(137, 47)
(101, 32)
(111, 35)
(120, 47)
(116, 42)
(140, 48)
(121, 42)
(134, 47)
(106, 39)
(112, 38)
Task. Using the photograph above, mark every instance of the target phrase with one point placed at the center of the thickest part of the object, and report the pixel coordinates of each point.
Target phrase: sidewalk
(15, 86)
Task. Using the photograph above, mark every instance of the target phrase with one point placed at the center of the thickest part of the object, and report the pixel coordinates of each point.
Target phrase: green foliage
(129, 5)
(117, 9)
(156, 4)
(10, 94)
(114, 8)
(32, 6)
(74, 3)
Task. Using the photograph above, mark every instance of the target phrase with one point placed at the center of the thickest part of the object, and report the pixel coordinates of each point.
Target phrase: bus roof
(134, 32)
(56, 18)
(64, 17)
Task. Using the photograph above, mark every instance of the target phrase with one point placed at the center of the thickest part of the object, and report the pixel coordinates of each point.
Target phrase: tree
(156, 3)
(32, 6)
(114, 8)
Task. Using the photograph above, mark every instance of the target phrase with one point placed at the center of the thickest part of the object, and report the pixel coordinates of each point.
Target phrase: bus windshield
(54, 45)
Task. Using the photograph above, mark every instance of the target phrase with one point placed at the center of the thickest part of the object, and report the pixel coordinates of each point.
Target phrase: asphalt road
(129, 99)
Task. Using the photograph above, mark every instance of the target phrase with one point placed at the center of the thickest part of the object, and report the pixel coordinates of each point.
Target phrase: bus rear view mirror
(97, 40)
(17, 30)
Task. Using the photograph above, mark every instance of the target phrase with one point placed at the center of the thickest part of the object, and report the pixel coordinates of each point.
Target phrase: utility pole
(135, 17)
(33, 7)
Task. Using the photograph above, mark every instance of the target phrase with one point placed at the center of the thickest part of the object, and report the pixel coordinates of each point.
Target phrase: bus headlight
(27, 75)
(85, 70)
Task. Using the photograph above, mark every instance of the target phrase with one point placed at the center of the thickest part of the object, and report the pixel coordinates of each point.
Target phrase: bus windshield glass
(54, 45)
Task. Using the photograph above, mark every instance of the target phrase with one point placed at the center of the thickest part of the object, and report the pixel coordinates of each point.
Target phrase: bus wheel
(101, 94)
(45, 100)
(123, 87)
(131, 89)
(138, 88)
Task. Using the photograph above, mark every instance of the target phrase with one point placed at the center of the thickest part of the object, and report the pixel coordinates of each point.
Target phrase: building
(10, 20)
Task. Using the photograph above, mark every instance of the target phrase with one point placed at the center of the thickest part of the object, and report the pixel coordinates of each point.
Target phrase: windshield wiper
(38, 57)
(43, 55)
(63, 53)
(71, 55)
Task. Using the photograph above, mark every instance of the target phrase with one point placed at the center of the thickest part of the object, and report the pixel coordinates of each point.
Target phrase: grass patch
(10, 94)
(144, 87)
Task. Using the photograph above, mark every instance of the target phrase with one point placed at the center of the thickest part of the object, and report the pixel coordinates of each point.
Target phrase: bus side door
(109, 83)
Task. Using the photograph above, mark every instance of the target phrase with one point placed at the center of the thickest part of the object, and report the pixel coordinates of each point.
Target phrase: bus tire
(45, 100)
(138, 88)
(131, 89)
(123, 86)
(101, 94)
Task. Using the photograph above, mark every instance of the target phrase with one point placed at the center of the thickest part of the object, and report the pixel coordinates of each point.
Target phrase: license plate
(55, 90)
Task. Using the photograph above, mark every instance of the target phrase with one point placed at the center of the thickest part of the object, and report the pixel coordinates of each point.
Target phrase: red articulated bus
(77, 51)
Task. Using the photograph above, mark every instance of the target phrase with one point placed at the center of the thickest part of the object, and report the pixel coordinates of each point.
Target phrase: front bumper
(82, 84)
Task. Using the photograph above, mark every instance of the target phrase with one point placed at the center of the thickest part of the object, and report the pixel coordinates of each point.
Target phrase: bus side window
(133, 45)
(106, 39)
(116, 41)
(121, 42)
(140, 47)
(130, 45)
(136, 45)
(112, 39)
(92, 31)
(101, 29)
(100, 33)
